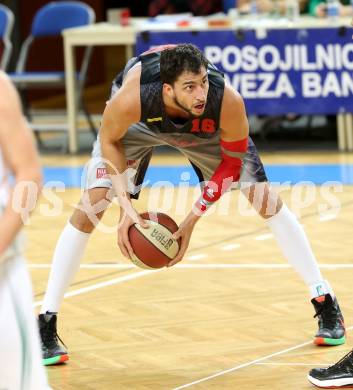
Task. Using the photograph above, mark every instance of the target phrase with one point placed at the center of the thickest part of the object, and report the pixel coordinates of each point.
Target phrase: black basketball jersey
(153, 114)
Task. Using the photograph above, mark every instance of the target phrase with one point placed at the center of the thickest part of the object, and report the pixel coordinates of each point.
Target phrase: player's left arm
(233, 143)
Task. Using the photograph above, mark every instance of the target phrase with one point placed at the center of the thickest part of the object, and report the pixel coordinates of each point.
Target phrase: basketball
(154, 247)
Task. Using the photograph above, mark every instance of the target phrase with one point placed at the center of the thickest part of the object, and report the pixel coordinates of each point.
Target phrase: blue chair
(50, 21)
(227, 5)
(6, 26)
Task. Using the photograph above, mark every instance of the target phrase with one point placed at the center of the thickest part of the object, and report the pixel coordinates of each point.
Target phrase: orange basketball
(154, 247)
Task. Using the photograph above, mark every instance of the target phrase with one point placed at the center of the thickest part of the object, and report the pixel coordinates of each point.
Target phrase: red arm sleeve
(226, 173)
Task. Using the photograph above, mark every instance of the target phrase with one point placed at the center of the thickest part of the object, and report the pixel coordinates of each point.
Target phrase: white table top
(116, 34)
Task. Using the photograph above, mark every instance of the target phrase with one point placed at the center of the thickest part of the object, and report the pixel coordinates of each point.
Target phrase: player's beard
(186, 109)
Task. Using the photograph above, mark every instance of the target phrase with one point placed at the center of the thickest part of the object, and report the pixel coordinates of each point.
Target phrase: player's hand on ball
(125, 221)
(184, 232)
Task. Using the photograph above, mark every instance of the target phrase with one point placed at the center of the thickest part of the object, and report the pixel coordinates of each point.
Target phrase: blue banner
(277, 71)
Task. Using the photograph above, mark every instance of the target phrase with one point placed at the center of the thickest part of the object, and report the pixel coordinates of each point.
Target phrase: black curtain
(137, 7)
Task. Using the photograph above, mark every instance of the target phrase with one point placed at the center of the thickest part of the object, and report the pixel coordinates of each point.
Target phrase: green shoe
(331, 324)
(52, 351)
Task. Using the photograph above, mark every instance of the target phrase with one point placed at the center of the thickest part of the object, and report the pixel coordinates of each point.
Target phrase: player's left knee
(266, 201)
(270, 208)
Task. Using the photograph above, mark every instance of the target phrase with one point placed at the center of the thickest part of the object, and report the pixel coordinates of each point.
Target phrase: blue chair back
(228, 4)
(50, 20)
(3, 21)
(54, 17)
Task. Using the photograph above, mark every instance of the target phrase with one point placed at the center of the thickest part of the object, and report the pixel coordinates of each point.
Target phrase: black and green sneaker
(331, 324)
(52, 351)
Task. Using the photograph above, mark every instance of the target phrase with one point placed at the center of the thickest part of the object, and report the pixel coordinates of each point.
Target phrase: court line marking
(232, 369)
(196, 257)
(230, 247)
(253, 362)
(136, 275)
(263, 237)
(107, 283)
(325, 218)
(292, 364)
(197, 266)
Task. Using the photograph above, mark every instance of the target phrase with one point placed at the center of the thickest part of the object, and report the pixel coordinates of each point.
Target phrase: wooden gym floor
(232, 315)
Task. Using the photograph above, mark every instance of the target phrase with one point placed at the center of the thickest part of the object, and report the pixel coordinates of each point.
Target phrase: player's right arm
(123, 110)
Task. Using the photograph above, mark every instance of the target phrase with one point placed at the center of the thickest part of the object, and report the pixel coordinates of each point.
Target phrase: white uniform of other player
(20, 356)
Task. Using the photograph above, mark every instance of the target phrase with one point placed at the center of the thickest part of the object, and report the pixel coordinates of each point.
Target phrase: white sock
(321, 288)
(295, 247)
(66, 261)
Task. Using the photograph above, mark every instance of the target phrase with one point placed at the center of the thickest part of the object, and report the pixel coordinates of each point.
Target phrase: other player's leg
(20, 356)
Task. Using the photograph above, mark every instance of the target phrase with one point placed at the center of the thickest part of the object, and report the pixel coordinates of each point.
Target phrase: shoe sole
(328, 341)
(55, 360)
(332, 384)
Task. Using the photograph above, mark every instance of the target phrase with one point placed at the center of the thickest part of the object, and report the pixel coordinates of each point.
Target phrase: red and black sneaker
(331, 324)
(52, 351)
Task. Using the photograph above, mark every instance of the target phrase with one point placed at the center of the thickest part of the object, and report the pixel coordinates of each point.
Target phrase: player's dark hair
(181, 58)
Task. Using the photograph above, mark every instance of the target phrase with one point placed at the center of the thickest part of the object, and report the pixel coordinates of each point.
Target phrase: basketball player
(20, 355)
(173, 96)
(339, 375)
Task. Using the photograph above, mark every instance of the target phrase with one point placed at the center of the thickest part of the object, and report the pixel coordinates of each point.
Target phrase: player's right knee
(91, 208)
(82, 222)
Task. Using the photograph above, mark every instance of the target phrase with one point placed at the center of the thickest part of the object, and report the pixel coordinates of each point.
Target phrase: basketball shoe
(331, 324)
(340, 375)
(52, 351)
